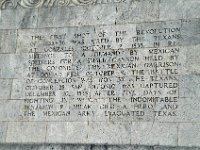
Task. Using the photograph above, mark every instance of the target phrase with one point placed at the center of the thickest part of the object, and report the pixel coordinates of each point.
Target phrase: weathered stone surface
(138, 11)
(76, 16)
(8, 41)
(111, 72)
(152, 134)
(179, 9)
(5, 88)
(3, 130)
(90, 147)
(18, 18)
(75, 132)
(109, 132)
(189, 134)
(26, 132)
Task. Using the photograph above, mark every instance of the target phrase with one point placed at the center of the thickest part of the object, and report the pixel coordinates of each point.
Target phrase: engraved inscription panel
(131, 72)
(100, 72)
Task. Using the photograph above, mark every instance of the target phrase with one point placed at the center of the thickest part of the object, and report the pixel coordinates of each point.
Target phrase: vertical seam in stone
(16, 41)
(131, 132)
(11, 88)
(159, 2)
(37, 17)
(181, 22)
(177, 135)
(179, 68)
(6, 133)
(87, 136)
(3, 140)
(116, 10)
(45, 138)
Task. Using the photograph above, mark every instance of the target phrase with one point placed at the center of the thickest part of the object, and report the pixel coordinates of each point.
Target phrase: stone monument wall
(111, 72)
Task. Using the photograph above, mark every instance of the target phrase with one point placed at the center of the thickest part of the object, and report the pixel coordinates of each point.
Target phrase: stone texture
(18, 18)
(26, 132)
(8, 41)
(76, 16)
(175, 148)
(90, 147)
(32, 147)
(85, 72)
(179, 9)
(13, 66)
(109, 133)
(154, 134)
(138, 11)
(75, 132)
(3, 130)
(5, 88)
(189, 134)
(11, 110)
(192, 27)
(8, 19)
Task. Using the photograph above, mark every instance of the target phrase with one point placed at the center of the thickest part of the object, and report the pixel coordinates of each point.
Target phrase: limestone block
(18, 18)
(5, 88)
(8, 40)
(74, 132)
(136, 11)
(26, 132)
(188, 134)
(77, 16)
(117, 133)
(154, 133)
(3, 130)
(179, 9)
